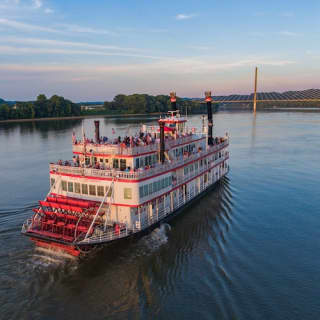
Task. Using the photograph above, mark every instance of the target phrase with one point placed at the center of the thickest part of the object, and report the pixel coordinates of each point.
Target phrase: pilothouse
(117, 188)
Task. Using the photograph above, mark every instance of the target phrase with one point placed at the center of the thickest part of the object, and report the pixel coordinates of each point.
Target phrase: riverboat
(121, 188)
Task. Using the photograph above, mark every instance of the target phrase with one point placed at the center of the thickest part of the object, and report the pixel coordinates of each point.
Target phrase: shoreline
(126, 115)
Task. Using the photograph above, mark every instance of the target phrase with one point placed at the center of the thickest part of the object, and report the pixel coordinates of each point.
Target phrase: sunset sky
(92, 50)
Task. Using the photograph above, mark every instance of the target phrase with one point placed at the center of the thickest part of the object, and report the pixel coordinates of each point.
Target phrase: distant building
(91, 107)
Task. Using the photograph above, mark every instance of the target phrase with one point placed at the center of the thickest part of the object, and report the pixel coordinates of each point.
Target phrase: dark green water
(247, 250)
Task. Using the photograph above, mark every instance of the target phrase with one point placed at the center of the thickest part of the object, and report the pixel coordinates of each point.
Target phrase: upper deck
(141, 173)
(122, 149)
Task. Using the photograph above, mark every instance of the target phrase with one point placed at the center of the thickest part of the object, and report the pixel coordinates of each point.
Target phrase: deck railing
(156, 216)
(118, 149)
(135, 175)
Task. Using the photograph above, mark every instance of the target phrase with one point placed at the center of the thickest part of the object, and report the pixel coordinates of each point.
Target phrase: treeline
(56, 106)
(144, 103)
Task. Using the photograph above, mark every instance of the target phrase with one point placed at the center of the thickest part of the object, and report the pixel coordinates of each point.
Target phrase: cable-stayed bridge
(311, 95)
(298, 96)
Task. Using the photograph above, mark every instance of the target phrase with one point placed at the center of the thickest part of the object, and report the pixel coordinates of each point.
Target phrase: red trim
(176, 187)
(181, 184)
(104, 155)
(172, 121)
(138, 180)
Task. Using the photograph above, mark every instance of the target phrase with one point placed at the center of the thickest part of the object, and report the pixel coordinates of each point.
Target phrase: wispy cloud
(48, 10)
(289, 33)
(64, 28)
(26, 27)
(54, 51)
(60, 43)
(200, 48)
(81, 29)
(183, 16)
(168, 66)
(37, 4)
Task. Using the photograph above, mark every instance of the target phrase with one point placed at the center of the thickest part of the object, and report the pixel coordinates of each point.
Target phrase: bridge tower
(255, 90)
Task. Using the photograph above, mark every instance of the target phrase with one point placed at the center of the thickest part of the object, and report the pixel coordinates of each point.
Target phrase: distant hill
(2, 101)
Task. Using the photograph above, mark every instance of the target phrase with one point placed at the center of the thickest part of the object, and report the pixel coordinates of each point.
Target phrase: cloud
(167, 66)
(48, 10)
(26, 27)
(37, 4)
(67, 28)
(54, 51)
(182, 16)
(200, 48)
(55, 43)
(289, 34)
(80, 29)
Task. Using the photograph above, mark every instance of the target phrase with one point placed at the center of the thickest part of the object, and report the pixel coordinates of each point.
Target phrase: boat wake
(157, 237)
(43, 257)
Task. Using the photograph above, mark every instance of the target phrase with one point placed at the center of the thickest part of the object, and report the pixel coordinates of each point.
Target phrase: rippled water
(247, 250)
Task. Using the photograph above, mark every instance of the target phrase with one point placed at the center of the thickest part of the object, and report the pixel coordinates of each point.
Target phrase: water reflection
(43, 127)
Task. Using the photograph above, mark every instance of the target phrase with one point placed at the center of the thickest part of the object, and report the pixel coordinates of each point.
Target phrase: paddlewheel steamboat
(121, 188)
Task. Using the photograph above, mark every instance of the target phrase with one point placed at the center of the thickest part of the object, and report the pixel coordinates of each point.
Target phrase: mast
(208, 99)
(173, 99)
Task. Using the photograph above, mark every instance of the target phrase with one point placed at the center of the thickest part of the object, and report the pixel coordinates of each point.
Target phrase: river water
(248, 250)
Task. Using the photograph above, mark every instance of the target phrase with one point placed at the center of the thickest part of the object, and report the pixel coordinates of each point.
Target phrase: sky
(93, 50)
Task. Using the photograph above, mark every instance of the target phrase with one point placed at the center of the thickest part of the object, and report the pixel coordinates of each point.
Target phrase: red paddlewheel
(57, 246)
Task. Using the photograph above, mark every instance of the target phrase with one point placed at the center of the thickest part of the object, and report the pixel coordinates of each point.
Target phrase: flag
(73, 137)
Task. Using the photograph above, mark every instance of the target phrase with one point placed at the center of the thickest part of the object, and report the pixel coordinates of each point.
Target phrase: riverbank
(126, 115)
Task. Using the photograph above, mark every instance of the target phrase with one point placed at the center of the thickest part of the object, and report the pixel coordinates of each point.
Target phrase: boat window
(116, 163)
(84, 188)
(109, 191)
(150, 188)
(162, 183)
(127, 193)
(64, 185)
(137, 163)
(77, 187)
(92, 190)
(70, 186)
(141, 192)
(101, 159)
(52, 181)
(123, 164)
(155, 186)
(100, 191)
(87, 161)
(145, 190)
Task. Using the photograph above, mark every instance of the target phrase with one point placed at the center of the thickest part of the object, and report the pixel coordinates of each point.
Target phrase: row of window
(92, 190)
(146, 161)
(188, 148)
(155, 186)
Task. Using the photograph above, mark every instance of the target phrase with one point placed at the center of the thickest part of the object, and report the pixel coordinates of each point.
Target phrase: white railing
(118, 149)
(110, 173)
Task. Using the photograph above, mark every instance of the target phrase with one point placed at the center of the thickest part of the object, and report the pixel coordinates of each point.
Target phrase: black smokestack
(173, 99)
(162, 146)
(97, 130)
(210, 122)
